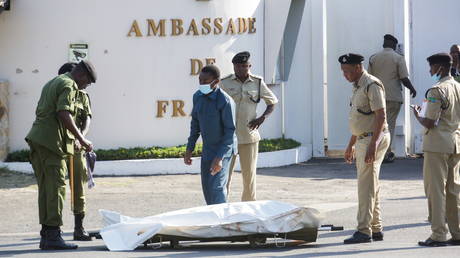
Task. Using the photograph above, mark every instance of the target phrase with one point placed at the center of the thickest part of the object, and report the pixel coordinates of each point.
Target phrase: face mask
(436, 77)
(205, 88)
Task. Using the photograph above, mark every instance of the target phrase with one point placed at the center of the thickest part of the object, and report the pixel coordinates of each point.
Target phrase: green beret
(241, 58)
(440, 58)
(351, 59)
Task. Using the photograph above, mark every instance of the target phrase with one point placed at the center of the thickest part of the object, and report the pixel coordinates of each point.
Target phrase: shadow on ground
(10, 179)
(326, 169)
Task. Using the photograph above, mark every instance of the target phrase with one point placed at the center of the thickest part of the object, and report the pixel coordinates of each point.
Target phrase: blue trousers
(215, 187)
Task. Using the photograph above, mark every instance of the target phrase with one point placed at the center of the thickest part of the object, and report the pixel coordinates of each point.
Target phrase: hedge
(265, 145)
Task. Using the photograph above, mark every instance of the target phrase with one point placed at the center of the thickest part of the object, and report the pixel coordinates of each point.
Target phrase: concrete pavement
(328, 185)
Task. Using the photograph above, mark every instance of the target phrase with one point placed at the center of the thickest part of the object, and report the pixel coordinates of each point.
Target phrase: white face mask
(206, 88)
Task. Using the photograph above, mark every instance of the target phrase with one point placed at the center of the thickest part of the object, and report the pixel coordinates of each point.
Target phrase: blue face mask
(436, 77)
(205, 88)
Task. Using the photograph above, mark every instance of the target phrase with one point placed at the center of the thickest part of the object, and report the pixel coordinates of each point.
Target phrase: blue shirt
(213, 116)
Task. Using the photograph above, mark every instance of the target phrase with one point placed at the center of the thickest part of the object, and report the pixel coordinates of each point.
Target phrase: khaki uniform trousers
(369, 220)
(442, 188)
(50, 170)
(392, 108)
(248, 162)
(80, 179)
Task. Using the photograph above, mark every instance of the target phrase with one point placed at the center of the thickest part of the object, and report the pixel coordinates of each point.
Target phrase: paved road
(328, 185)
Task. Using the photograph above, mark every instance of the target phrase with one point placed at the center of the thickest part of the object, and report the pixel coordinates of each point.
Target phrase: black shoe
(453, 241)
(377, 236)
(79, 233)
(389, 157)
(42, 237)
(54, 241)
(431, 243)
(358, 238)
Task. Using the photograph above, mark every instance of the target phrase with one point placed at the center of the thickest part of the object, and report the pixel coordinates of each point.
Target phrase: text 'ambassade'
(195, 27)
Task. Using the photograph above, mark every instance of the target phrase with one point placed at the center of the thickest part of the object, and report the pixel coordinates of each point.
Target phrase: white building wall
(298, 89)
(434, 25)
(354, 26)
(133, 72)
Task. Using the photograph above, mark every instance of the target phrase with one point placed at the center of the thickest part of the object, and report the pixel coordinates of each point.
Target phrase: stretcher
(252, 222)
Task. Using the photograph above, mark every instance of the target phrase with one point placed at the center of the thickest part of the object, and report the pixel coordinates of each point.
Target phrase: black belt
(367, 134)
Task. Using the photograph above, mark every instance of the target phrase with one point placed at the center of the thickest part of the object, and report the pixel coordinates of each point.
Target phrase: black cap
(66, 68)
(440, 58)
(351, 59)
(90, 70)
(241, 58)
(390, 38)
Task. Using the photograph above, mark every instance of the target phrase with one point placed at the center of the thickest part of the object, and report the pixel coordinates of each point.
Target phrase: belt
(367, 134)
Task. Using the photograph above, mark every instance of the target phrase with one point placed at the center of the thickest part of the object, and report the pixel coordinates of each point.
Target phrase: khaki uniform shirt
(443, 105)
(59, 94)
(368, 96)
(390, 67)
(242, 93)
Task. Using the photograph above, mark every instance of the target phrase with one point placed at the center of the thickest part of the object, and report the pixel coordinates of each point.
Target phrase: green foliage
(18, 156)
(265, 145)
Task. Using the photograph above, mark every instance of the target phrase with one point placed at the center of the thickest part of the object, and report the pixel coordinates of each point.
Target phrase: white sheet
(221, 220)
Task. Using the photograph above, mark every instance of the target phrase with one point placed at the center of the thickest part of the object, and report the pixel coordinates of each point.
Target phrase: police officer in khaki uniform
(247, 90)
(390, 67)
(51, 140)
(82, 118)
(455, 54)
(441, 148)
(368, 144)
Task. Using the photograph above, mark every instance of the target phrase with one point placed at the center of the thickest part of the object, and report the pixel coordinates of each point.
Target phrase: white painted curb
(177, 166)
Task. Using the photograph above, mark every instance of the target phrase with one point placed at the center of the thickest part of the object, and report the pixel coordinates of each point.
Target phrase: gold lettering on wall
(210, 61)
(231, 27)
(193, 28)
(161, 107)
(206, 23)
(252, 26)
(218, 28)
(178, 108)
(153, 28)
(135, 29)
(177, 27)
(195, 66)
(242, 25)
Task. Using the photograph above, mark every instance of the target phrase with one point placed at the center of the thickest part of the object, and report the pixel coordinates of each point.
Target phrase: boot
(54, 241)
(79, 233)
(42, 236)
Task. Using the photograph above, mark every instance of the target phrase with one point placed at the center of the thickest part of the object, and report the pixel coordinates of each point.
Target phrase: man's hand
(416, 109)
(413, 92)
(216, 166)
(78, 146)
(370, 154)
(349, 154)
(255, 124)
(188, 158)
(86, 144)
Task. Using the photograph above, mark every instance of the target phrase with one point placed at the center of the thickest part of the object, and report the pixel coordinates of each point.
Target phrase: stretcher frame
(307, 235)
